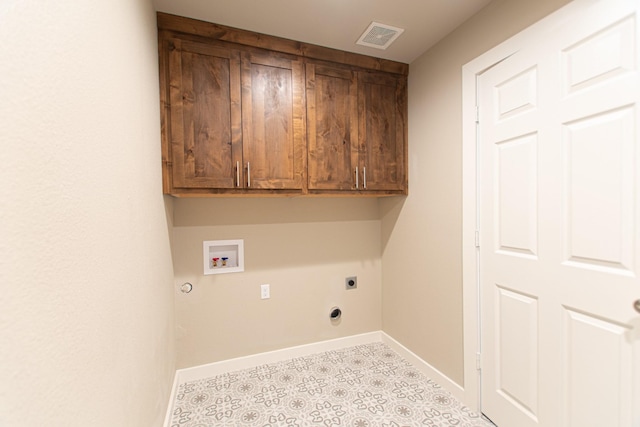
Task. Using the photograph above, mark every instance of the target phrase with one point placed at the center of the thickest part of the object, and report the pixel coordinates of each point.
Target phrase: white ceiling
(336, 23)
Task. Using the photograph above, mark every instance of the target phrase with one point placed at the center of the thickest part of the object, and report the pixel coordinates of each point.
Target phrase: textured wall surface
(303, 248)
(422, 252)
(86, 308)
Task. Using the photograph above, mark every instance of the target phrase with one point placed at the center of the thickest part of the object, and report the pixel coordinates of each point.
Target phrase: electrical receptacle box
(351, 282)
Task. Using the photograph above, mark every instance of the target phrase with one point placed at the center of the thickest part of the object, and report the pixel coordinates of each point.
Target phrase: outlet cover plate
(265, 292)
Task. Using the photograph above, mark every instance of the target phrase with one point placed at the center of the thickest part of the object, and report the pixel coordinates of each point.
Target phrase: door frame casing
(470, 185)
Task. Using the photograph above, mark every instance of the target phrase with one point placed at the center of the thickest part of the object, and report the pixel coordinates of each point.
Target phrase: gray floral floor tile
(363, 386)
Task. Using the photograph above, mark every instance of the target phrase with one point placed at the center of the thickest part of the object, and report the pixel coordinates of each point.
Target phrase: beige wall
(406, 249)
(86, 308)
(303, 248)
(422, 253)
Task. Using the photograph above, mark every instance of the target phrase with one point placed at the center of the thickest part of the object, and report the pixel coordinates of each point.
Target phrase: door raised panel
(516, 195)
(601, 56)
(517, 350)
(517, 94)
(599, 177)
(598, 371)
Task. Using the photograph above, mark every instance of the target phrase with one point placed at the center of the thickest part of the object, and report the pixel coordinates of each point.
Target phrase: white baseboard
(217, 368)
(429, 371)
(172, 398)
(212, 369)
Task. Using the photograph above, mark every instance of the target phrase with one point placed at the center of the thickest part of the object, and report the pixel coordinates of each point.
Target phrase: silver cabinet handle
(357, 184)
(248, 174)
(636, 305)
(237, 174)
(364, 177)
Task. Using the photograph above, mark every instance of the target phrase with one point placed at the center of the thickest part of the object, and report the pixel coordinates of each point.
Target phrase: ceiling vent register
(379, 36)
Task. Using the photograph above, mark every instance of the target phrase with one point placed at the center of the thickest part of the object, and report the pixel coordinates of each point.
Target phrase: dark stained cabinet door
(332, 127)
(273, 121)
(205, 115)
(382, 133)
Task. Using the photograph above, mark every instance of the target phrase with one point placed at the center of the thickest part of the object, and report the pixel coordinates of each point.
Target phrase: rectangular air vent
(379, 36)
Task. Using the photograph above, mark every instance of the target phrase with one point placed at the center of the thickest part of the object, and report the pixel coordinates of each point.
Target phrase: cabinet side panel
(165, 112)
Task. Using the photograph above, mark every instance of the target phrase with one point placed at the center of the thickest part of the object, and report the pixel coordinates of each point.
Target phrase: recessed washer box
(223, 256)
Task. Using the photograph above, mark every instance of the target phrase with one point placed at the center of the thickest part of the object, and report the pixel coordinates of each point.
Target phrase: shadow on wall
(277, 210)
(168, 211)
(279, 233)
(389, 212)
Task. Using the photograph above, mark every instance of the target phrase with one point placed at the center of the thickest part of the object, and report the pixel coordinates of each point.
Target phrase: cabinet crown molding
(213, 31)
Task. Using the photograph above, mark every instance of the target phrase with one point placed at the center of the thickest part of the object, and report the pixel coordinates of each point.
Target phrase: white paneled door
(560, 225)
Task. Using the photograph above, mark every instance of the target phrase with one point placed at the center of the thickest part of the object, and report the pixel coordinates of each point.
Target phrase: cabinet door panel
(382, 133)
(273, 122)
(205, 115)
(332, 121)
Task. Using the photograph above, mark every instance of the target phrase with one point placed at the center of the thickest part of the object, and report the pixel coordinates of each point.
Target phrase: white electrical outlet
(265, 292)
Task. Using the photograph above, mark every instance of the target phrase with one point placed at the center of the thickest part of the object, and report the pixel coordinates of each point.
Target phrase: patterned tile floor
(363, 386)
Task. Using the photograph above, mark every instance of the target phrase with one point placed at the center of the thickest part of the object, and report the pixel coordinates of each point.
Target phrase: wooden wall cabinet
(248, 114)
(237, 119)
(204, 111)
(356, 130)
